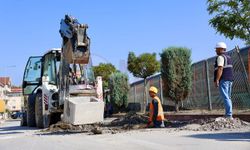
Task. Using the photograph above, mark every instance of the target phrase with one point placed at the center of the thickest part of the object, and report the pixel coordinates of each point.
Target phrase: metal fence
(203, 95)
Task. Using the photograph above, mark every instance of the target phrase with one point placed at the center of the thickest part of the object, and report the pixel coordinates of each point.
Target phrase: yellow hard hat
(153, 89)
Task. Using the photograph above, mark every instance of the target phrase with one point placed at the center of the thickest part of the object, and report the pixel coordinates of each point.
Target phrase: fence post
(208, 86)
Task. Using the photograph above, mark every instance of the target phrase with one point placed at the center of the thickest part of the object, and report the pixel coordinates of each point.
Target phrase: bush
(176, 73)
(119, 88)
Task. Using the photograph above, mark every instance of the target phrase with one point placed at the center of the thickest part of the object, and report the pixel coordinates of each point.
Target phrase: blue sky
(31, 27)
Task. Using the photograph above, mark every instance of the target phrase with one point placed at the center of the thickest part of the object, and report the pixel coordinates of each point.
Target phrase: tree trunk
(144, 96)
(177, 106)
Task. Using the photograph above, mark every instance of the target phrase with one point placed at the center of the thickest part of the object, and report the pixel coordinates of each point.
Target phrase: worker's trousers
(225, 92)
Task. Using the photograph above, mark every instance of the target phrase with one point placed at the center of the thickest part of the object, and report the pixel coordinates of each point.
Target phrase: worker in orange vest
(156, 116)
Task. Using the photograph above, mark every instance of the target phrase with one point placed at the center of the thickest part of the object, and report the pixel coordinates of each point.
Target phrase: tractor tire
(31, 118)
(23, 121)
(42, 119)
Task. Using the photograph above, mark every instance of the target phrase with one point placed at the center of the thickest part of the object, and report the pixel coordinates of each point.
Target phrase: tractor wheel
(31, 118)
(23, 121)
(42, 119)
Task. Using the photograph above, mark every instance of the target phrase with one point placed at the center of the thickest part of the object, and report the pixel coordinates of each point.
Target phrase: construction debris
(131, 121)
(134, 121)
(65, 127)
(224, 123)
(214, 124)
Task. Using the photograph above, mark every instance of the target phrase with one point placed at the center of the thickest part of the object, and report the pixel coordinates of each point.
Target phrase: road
(14, 137)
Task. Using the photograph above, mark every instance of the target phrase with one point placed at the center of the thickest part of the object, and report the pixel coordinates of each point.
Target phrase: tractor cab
(39, 67)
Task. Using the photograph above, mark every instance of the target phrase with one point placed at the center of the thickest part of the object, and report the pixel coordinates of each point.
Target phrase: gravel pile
(224, 123)
(214, 124)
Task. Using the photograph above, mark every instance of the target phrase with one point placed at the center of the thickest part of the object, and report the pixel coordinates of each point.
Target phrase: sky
(116, 27)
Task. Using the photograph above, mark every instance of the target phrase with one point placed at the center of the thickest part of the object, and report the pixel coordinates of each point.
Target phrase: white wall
(14, 103)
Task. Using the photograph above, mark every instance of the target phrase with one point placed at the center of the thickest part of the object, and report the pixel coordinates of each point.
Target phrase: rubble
(130, 121)
(134, 121)
(215, 124)
(65, 127)
(224, 123)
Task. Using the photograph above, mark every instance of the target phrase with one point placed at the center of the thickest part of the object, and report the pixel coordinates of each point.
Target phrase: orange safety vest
(160, 116)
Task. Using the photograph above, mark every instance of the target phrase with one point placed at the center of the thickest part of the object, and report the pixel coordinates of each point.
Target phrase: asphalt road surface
(14, 137)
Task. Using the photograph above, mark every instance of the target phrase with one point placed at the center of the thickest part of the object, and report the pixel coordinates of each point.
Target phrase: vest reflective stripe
(228, 66)
(160, 115)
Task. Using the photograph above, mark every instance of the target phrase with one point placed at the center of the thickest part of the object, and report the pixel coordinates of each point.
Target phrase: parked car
(16, 115)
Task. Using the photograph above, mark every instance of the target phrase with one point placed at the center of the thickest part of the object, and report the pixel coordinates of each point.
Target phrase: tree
(176, 73)
(232, 18)
(143, 66)
(104, 70)
(119, 88)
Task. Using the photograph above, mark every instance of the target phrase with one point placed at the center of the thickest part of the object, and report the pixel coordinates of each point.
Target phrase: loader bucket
(83, 110)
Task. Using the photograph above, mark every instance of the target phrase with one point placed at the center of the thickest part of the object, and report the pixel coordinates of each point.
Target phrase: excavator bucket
(75, 56)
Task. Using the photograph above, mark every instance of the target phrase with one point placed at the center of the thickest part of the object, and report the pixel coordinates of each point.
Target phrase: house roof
(5, 81)
(16, 90)
(1, 84)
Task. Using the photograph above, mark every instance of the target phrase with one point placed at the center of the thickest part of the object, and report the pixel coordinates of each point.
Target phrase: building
(14, 102)
(11, 95)
(1, 91)
(5, 86)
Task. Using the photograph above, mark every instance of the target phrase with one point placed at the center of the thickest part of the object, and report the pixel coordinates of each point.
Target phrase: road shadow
(5, 133)
(229, 136)
(15, 129)
(41, 133)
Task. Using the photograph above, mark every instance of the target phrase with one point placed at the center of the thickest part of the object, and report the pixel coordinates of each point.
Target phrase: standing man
(223, 77)
(156, 116)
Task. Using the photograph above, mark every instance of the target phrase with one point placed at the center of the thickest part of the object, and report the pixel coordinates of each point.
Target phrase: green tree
(143, 66)
(119, 88)
(104, 70)
(231, 18)
(176, 73)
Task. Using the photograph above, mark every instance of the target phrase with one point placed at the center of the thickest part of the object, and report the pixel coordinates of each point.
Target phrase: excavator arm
(75, 51)
(82, 102)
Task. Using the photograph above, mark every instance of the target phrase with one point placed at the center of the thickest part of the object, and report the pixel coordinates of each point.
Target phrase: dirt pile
(223, 123)
(134, 121)
(123, 123)
(214, 124)
(131, 120)
(65, 127)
